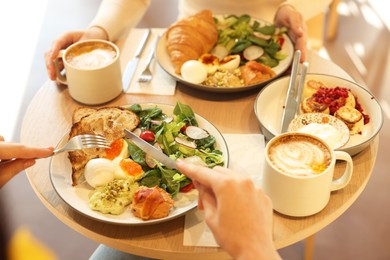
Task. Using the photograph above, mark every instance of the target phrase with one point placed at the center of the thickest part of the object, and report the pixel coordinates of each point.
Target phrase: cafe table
(48, 119)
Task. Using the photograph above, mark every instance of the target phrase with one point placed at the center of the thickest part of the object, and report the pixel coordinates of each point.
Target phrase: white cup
(298, 173)
(92, 71)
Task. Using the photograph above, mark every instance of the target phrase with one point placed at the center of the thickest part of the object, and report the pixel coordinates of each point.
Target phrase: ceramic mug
(92, 71)
(298, 173)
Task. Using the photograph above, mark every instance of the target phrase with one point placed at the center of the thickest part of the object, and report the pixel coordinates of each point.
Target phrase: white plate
(77, 197)
(270, 102)
(163, 59)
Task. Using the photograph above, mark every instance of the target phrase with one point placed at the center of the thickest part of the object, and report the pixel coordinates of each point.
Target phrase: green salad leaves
(237, 33)
(167, 130)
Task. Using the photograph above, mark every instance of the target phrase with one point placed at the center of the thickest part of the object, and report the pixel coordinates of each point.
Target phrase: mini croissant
(191, 37)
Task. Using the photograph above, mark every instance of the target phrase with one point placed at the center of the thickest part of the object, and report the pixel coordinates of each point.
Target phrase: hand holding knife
(132, 65)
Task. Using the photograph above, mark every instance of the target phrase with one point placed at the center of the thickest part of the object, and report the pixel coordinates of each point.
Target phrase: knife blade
(290, 106)
(151, 150)
(132, 65)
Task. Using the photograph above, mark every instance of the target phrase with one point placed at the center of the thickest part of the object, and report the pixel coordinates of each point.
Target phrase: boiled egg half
(194, 71)
(118, 148)
(99, 172)
(124, 168)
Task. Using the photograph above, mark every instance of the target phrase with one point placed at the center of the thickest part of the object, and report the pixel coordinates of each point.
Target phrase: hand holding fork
(18, 151)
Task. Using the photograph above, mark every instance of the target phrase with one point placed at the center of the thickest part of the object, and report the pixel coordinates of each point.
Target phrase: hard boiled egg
(124, 168)
(118, 148)
(210, 61)
(230, 62)
(99, 172)
(194, 71)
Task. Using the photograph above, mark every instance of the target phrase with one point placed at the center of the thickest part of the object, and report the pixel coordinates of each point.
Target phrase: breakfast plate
(163, 59)
(77, 196)
(269, 106)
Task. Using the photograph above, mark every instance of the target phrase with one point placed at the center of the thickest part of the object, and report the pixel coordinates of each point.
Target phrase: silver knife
(151, 150)
(290, 106)
(132, 65)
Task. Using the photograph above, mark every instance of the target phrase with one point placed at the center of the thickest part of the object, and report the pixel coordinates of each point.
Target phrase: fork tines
(94, 141)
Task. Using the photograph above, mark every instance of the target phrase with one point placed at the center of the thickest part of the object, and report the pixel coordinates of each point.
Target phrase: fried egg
(118, 148)
(123, 168)
(99, 172)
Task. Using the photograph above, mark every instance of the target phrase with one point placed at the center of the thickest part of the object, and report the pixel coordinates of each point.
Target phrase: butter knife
(290, 106)
(151, 150)
(132, 65)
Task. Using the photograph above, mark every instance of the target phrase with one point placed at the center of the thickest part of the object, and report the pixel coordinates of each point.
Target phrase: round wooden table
(48, 119)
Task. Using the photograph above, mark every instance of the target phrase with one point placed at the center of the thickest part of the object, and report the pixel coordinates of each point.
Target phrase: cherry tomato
(187, 188)
(147, 135)
(280, 41)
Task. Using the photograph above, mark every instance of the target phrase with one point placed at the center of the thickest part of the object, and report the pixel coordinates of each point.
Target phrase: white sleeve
(309, 9)
(115, 16)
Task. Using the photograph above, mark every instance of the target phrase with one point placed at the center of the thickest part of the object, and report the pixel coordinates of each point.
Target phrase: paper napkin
(246, 156)
(162, 83)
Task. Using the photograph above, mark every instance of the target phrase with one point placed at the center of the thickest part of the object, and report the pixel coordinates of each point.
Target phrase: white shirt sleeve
(115, 16)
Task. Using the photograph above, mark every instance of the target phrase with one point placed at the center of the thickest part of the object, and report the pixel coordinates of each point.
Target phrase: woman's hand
(288, 17)
(25, 157)
(238, 214)
(67, 39)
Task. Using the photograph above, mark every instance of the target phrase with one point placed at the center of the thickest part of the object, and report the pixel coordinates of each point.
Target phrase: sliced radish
(150, 161)
(220, 51)
(137, 131)
(196, 133)
(253, 52)
(158, 122)
(168, 119)
(262, 36)
(185, 142)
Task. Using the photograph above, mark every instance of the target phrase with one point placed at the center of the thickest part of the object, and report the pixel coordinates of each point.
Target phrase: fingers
(9, 170)
(62, 42)
(203, 175)
(16, 150)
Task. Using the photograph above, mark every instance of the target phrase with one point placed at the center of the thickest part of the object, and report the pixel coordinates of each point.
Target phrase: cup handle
(61, 78)
(347, 175)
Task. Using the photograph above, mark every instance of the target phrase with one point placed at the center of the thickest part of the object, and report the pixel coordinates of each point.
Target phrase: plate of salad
(249, 38)
(168, 125)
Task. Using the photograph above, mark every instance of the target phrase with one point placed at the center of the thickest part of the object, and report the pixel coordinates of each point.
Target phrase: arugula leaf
(185, 113)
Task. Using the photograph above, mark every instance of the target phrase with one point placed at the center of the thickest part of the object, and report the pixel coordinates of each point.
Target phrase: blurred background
(359, 44)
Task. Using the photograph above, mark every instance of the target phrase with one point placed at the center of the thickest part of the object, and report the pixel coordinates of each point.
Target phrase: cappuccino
(91, 55)
(299, 155)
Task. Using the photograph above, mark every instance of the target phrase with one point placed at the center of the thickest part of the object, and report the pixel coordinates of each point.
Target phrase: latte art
(91, 56)
(299, 155)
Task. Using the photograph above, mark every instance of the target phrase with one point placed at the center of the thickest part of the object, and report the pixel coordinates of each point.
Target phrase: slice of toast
(108, 122)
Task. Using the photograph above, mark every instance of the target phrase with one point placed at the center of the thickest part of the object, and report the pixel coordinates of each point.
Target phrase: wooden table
(48, 119)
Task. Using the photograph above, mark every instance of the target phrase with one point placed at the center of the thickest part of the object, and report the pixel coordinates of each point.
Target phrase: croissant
(189, 38)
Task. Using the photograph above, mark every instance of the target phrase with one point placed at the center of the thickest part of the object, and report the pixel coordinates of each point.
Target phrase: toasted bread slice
(108, 122)
(352, 118)
(82, 112)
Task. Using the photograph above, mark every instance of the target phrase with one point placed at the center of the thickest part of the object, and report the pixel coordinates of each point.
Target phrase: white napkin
(246, 156)
(161, 83)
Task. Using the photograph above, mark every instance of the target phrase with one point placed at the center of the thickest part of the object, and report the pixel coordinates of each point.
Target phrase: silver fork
(76, 143)
(146, 75)
(84, 141)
